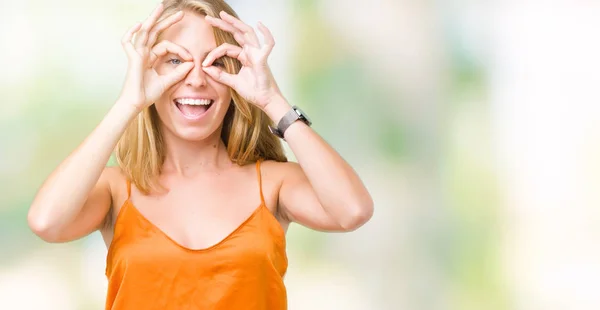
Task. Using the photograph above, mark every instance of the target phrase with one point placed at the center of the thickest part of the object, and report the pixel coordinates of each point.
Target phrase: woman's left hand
(254, 82)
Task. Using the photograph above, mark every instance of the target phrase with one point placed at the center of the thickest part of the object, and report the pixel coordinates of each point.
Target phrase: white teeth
(193, 101)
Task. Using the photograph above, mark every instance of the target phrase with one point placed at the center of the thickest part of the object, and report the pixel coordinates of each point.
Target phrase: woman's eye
(174, 61)
(219, 63)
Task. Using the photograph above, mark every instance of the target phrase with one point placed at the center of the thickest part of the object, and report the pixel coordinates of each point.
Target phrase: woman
(196, 157)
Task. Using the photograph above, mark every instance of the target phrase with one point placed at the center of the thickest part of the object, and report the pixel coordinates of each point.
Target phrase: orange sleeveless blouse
(146, 269)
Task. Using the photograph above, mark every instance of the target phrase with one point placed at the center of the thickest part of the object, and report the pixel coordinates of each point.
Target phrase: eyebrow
(202, 56)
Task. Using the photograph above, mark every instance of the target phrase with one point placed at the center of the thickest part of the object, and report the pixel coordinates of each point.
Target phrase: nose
(196, 77)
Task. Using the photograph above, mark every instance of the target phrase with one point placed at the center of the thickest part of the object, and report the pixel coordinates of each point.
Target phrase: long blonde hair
(140, 152)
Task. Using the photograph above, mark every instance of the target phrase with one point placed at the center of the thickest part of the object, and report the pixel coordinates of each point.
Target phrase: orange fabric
(148, 270)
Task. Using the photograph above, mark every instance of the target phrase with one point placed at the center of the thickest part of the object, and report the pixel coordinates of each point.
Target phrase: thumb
(220, 76)
(178, 74)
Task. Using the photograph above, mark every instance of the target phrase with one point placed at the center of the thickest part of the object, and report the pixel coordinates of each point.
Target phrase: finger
(239, 38)
(220, 76)
(224, 49)
(268, 36)
(162, 25)
(177, 75)
(248, 31)
(165, 47)
(142, 35)
(126, 39)
(219, 23)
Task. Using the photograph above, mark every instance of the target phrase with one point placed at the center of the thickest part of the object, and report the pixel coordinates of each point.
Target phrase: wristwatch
(293, 115)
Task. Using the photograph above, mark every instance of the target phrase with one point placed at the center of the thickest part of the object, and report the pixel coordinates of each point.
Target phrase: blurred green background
(474, 124)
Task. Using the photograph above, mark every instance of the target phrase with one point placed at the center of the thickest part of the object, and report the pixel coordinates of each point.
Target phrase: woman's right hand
(143, 85)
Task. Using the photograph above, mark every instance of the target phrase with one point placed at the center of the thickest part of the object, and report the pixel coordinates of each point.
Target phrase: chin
(196, 134)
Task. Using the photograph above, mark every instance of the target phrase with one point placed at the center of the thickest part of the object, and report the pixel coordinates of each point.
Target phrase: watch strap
(286, 121)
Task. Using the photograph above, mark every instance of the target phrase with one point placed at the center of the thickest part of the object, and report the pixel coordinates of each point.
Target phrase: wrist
(276, 108)
(120, 116)
(127, 107)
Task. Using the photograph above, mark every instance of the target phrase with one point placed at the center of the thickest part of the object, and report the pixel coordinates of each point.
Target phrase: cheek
(223, 91)
(162, 108)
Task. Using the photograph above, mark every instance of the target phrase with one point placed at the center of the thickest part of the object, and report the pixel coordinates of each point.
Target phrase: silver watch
(293, 115)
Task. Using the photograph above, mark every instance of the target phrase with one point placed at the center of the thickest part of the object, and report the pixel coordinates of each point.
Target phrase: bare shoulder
(113, 174)
(273, 174)
(116, 181)
(278, 171)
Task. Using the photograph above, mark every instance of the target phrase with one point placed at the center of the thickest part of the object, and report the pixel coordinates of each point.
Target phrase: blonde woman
(195, 214)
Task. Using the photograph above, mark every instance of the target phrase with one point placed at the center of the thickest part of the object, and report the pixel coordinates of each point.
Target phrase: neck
(187, 158)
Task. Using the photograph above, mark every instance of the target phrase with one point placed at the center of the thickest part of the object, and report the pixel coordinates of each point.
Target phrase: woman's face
(194, 108)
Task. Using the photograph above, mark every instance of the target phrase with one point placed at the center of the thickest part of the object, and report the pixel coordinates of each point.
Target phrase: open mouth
(193, 108)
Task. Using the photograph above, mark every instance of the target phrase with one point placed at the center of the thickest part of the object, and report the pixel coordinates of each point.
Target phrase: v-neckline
(132, 206)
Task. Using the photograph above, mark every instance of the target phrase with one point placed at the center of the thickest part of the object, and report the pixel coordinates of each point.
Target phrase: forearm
(337, 186)
(64, 192)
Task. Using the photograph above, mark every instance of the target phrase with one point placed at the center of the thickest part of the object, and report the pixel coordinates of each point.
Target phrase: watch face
(303, 115)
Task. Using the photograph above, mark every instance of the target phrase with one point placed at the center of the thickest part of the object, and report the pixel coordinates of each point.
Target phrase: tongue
(192, 110)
